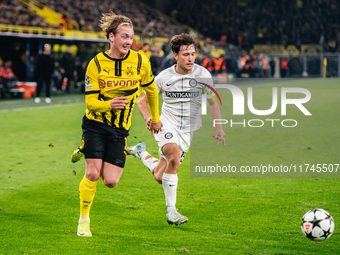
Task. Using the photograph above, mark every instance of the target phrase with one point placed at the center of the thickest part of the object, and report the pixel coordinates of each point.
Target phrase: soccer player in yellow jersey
(112, 82)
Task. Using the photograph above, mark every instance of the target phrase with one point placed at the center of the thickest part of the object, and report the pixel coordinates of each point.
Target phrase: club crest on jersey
(101, 83)
(168, 135)
(129, 71)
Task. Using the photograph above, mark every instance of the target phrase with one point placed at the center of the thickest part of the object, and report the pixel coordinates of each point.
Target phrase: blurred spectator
(166, 48)
(67, 68)
(208, 63)
(63, 22)
(259, 65)
(81, 71)
(32, 63)
(283, 67)
(56, 77)
(7, 72)
(154, 61)
(43, 71)
(272, 66)
(220, 65)
(168, 61)
(265, 65)
(7, 77)
(145, 50)
(243, 66)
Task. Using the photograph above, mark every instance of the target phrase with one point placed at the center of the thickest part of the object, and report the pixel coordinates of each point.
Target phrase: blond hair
(109, 22)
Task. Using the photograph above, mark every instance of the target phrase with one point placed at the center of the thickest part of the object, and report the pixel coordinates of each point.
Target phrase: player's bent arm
(152, 99)
(95, 105)
(92, 90)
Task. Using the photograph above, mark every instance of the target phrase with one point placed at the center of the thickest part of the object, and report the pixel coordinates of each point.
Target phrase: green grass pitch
(39, 203)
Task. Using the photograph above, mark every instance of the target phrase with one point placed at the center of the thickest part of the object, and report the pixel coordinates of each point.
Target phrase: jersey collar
(117, 59)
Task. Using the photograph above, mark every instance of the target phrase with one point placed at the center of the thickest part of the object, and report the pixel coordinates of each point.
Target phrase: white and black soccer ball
(317, 224)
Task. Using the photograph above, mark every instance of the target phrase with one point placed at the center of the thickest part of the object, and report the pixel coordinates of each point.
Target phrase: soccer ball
(317, 224)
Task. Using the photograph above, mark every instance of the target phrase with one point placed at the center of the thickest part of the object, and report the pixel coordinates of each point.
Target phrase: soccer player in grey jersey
(181, 116)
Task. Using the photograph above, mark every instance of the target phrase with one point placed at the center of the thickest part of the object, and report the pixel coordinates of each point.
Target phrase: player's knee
(92, 175)
(174, 163)
(110, 183)
(92, 171)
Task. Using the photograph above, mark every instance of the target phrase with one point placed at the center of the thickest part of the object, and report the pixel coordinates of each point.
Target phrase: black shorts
(102, 141)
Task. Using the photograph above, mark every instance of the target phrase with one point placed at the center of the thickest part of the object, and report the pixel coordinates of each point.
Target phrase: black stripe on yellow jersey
(139, 63)
(107, 78)
(97, 63)
(118, 68)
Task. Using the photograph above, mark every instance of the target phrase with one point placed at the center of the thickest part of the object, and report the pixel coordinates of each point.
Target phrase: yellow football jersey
(107, 78)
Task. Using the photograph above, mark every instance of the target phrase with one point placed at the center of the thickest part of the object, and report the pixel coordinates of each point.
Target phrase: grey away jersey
(182, 96)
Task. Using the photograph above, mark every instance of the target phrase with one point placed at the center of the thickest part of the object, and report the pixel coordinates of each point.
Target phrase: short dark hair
(178, 40)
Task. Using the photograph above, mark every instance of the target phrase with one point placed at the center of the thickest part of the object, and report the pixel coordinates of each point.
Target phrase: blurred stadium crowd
(240, 22)
(86, 13)
(227, 32)
(248, 22)
(15, 13)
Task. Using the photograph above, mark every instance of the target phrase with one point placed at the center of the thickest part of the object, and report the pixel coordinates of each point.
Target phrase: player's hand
(119, 102)
(148, 123)
(156, 127)
(220, 136)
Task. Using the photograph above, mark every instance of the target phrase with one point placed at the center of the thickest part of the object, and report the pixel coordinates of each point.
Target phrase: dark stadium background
(239, 38)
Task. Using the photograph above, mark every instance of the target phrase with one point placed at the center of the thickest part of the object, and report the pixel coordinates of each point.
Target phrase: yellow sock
(87, 189)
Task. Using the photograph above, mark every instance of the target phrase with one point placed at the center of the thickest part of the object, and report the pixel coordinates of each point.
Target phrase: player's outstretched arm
(216, 114)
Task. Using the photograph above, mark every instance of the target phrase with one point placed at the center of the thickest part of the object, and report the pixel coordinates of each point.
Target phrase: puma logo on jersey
(108, 71)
